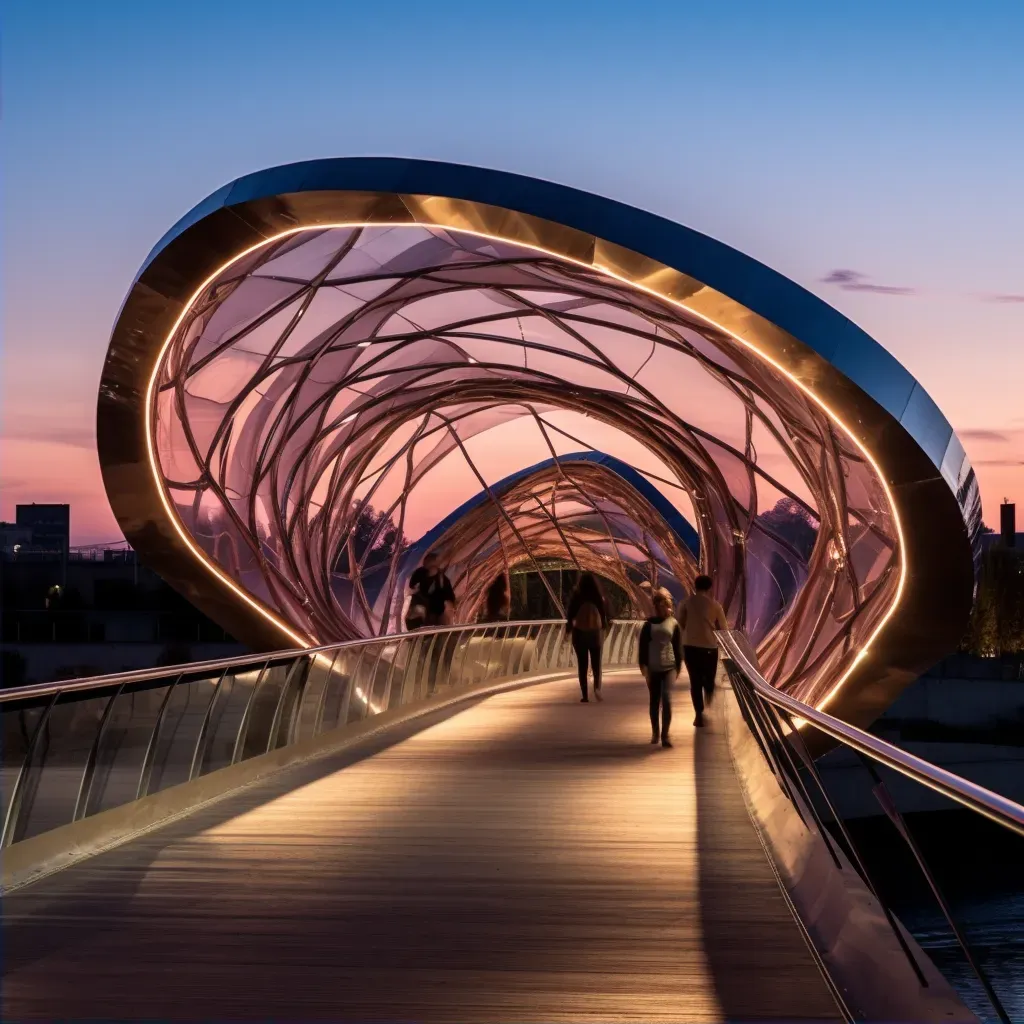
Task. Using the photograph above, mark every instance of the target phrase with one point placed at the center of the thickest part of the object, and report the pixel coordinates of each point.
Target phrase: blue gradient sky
(885, 139)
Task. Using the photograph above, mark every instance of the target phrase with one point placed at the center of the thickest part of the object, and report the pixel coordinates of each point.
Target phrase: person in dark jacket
(661, 657)
(586, 619)
(497, 603)
(432, 591)
(433, 604)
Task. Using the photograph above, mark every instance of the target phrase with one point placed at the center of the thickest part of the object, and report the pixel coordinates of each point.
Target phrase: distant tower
(1008, 523)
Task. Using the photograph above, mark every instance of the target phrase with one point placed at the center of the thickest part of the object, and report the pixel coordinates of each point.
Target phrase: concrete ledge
(42, 855)
(844, 924)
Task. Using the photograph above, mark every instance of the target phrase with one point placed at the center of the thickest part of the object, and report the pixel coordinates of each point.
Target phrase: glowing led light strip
(607, 271)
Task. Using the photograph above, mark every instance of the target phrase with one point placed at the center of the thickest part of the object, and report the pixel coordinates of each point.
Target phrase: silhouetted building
(50, 527)
(73, 612)
(1008, 523)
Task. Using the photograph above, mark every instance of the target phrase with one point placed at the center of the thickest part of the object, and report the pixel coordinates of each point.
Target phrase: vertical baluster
(154, 738)
(12, 819)
(89, 771)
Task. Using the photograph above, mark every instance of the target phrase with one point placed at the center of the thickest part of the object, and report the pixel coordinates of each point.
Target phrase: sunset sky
(873, 152)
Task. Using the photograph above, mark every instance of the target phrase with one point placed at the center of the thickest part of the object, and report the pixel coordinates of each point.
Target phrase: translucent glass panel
(409, 371)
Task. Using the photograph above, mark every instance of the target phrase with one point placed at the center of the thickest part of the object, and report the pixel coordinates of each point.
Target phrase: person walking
(432, 592)
(699, 616)
(586, 620)
(432, 604)
(497, 603)
(661, 657)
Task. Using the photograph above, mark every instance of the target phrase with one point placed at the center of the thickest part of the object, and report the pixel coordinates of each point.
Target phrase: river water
(980, 870)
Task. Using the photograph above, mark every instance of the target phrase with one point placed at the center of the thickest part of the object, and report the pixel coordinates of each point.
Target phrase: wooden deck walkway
(527, 859)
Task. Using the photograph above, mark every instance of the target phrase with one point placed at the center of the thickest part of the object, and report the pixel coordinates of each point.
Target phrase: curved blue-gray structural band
(797, 350)
(783, 302)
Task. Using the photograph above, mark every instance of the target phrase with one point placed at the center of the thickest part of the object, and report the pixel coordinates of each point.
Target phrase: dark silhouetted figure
(585, 621)
(496, 601)
(433, 604)
(433, 597)
(699, 616)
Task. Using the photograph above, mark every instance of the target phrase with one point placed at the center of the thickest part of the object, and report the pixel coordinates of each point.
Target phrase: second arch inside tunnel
(505, 406)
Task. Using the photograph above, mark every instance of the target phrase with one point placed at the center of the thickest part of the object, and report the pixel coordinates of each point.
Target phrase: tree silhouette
(372, 542)
(792, 523)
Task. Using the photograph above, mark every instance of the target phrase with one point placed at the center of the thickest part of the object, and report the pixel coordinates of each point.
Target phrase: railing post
(89, 771)
(322, 703)
(888, 805)
(13, 816)
(286, 694)
(154, 736)
(200, 751)
(243, 725)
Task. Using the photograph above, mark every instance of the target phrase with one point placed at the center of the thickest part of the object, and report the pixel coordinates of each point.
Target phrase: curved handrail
(977, 798)
(143, 675)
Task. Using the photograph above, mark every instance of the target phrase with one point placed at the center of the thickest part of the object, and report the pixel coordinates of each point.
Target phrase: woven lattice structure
(335, 369)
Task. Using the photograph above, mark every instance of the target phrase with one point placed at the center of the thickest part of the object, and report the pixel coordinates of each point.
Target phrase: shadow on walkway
(88, 909)
(762, 968)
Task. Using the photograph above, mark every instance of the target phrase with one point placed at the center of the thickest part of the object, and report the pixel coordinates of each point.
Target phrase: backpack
(588, 617)
(661, 655)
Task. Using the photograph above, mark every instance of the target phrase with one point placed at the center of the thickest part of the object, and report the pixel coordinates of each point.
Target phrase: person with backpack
(661, 657)
(433, 597)
(432, 604)
(497, 604)
(586, 620)
(700, 615)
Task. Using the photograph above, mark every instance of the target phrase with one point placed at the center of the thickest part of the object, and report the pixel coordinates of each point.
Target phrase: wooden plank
(530, 859)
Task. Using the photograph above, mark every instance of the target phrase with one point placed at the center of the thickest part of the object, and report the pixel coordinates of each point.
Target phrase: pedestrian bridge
(327, 369)
(432, 827)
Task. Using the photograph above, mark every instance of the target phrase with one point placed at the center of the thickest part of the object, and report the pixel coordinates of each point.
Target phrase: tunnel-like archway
(588, 511)
(462, 348)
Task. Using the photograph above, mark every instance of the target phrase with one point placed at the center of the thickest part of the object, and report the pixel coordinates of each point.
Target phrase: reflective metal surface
(72, 749)
(781, 726)
(467, 293)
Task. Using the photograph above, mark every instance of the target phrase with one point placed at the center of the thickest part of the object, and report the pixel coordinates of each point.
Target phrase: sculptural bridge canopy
(325, 369)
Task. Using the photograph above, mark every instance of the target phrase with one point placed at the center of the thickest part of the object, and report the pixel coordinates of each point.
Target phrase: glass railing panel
(121, 751)
(227, 717)
(180, 730)
(506, 650)
(53, 778)
(385, 672)
(340, 687)
(261, 717)
(361, 704)
(461, 660)
(394, 688)
(314, 694)
(19, 724)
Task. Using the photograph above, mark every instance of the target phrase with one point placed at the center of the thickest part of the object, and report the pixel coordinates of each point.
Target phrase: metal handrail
(977, 798)
(759, 700)
(378, 673)
(143, 675)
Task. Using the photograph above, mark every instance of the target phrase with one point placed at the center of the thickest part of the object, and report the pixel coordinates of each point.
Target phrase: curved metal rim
(708, 263)
(898, 428)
